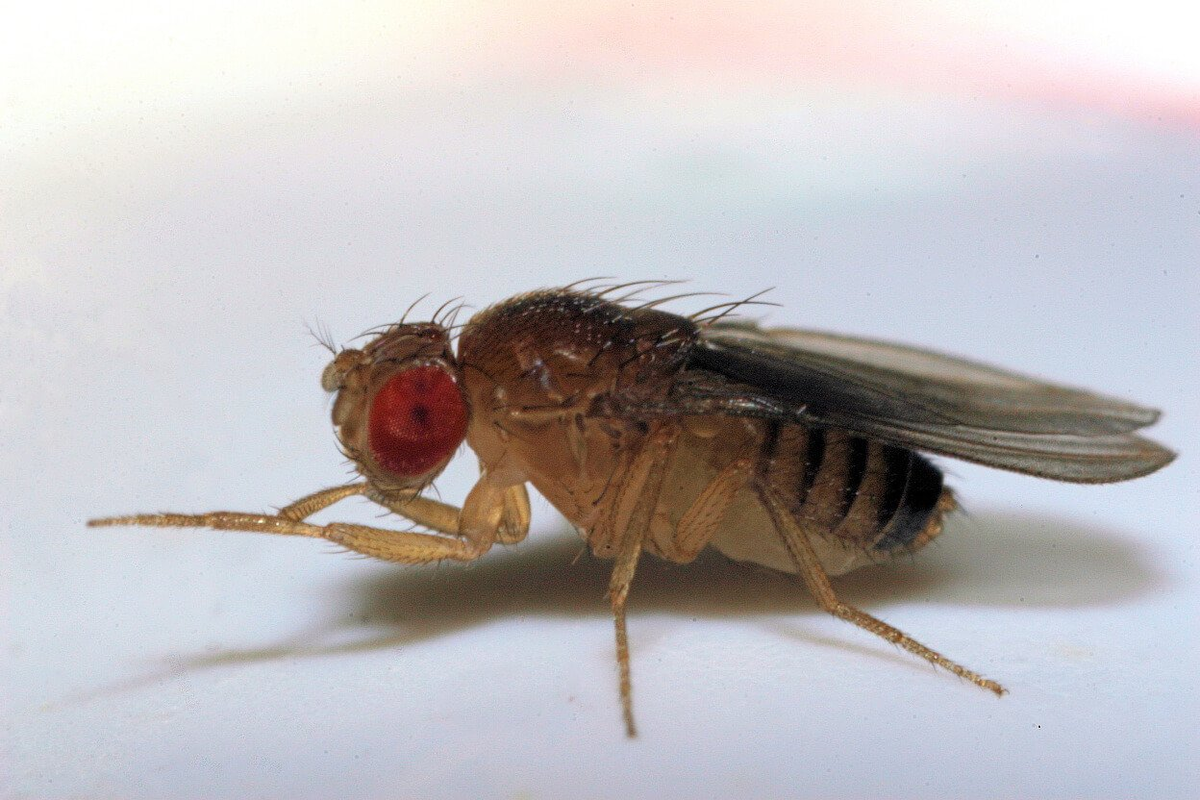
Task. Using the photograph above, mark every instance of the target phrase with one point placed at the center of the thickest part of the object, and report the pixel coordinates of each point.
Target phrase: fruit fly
(660, 433)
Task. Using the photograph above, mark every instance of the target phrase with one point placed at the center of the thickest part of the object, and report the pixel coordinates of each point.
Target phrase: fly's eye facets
(417, 420)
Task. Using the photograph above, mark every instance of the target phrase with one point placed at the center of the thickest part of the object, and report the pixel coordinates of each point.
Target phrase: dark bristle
(576, 284)
(730, 307)
(378, 330)
(641, 286)
(669, 298)
(450, 322)
(415, 303)
(436, 314)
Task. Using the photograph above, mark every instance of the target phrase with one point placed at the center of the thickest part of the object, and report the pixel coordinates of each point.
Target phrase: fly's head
(400, 412)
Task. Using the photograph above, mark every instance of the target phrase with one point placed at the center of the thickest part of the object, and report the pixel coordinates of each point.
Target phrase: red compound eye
(417, 420)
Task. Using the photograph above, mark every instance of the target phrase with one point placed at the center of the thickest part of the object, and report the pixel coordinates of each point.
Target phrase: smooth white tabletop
(164, 239)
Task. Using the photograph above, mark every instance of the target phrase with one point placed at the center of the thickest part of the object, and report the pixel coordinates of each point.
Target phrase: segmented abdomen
(862, 492)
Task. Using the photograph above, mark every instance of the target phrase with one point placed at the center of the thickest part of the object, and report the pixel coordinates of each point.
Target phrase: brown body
(655, 432)
(539, 370)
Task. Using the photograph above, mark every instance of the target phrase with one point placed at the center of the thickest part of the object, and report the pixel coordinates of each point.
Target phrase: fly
(660, 433)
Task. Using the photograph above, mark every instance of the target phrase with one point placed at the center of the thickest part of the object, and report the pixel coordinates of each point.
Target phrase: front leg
(475, 528)
(445, 518)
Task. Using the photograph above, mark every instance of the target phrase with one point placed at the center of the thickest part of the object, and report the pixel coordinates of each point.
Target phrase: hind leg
(809, 567)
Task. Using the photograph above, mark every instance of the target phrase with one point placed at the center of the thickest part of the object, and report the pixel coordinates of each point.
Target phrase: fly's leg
(514, 525)
(634, 506)
(618, 593)
(694, 531)
(809, 567)
(475, 528)
(406, 547)
(444, 518)
(305, 507)
(701, 521)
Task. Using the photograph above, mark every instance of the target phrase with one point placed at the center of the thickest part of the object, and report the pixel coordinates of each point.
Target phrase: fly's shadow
(997, 560)
(1005, 560)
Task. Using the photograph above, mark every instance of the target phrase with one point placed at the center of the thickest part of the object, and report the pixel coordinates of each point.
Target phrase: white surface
(158, 265)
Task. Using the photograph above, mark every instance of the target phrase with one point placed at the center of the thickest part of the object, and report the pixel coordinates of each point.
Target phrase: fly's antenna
(322, 336)
(725, 309)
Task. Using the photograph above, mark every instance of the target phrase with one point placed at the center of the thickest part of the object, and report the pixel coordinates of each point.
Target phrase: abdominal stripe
(814, 456)
(922, 488)
(862, 491)
(856, 470)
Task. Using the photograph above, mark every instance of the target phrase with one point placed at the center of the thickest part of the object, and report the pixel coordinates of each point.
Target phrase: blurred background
(182, 189)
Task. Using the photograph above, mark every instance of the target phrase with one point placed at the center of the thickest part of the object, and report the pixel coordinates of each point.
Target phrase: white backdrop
(179, 195)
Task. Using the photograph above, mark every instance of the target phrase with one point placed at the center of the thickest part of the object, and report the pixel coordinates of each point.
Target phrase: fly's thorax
(400, 413)
(540, 361)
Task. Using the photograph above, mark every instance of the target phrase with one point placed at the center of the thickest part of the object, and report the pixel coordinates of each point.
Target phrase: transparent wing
(927, 401)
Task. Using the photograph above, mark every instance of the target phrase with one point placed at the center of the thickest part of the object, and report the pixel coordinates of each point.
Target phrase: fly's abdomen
(924, 500)
(861, 493)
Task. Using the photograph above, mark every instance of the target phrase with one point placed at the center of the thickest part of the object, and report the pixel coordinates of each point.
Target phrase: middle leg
(630, 528)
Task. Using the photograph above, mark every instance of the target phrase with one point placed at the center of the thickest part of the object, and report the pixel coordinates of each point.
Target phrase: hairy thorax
(535, 370)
